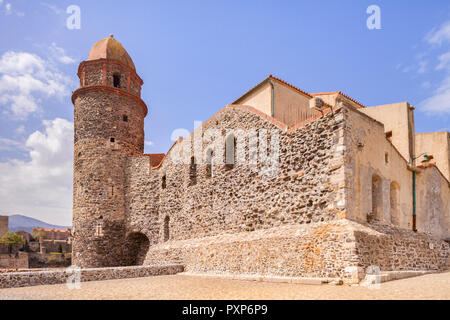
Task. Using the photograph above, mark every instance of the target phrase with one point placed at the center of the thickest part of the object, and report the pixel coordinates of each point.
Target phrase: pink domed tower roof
(111, 49)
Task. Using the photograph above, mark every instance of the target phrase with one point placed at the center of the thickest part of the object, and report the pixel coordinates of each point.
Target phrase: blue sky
(194, 58)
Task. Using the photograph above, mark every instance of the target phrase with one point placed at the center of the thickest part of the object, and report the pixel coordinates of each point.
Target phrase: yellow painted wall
(438, 145)
(398, 118)
(291, 107)
(433, 203)
(260, 98)
(367, 160)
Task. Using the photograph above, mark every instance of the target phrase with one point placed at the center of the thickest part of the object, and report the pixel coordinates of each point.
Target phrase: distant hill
(19, 222)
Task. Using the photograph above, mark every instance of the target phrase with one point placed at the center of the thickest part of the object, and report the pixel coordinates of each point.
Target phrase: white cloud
(8, 8)
(439, 102)
(440, 35)
(53, 8)
(25, 79)
(10, 145)
(20, 130)
(42, 186)
(60, 55)
(149, 143)
(444, 61)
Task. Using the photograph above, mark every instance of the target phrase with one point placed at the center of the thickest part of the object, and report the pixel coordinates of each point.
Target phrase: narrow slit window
(166, 228)
(192, 172)
(116, 80)
(209, 163)
(164, 182)
(125, 118)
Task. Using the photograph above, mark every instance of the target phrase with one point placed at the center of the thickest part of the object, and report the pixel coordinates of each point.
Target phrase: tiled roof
(291, 86)
(51, 230)
(276, 79)
(337, 92)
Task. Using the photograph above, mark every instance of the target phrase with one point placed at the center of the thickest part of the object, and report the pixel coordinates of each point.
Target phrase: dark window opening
(386, 158)
(112, 140)
(125, 118)
(116, 80)
(192, 172)
(166, 228)
(137, 245)
(209, 163)
(164, 183)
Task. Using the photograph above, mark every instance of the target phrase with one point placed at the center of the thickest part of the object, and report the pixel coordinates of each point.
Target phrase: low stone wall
(394, 249)
(314, 250)
(35, 278)
(335, 249)
(16, 260)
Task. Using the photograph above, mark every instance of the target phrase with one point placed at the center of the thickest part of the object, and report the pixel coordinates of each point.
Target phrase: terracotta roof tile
(337, 92)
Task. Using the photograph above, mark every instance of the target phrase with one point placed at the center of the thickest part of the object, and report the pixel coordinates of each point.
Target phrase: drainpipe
(414, 170)
(273, 99)
(414, 226)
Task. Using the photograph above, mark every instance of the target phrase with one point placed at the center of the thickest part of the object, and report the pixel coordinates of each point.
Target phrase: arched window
(192, 172)
(166, 228)
(230, 152)
(116, 80)
(209, 163)
(395, 203)
(376, 213)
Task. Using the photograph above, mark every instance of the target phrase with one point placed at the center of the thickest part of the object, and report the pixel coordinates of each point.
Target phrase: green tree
(11, 238)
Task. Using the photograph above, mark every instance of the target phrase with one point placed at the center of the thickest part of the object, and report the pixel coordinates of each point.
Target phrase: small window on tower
(125, 118)
(112, 140)
(164, 182)
(116, 80)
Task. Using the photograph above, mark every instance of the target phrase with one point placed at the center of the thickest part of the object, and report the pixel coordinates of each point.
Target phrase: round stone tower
(109, 126)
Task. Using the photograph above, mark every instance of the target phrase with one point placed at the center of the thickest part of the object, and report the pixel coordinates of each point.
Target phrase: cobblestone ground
(432, 286)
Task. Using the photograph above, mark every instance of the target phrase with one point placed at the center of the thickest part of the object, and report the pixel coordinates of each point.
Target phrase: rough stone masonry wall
(36, 278)
(307, 187)
(17, 260)
(236, 220)
(322, 249)
(99, 174)
(4, 220)
(395, 249)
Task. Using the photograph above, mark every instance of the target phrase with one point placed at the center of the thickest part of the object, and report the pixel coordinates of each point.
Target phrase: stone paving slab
(430, 286)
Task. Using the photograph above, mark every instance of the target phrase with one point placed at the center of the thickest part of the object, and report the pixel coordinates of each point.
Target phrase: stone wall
(396, 249)
(323, 250)
(4, 220)
(18, 260)
(49, 260)
(374, 168)
(433, 202)
(303, 189)
(36, 278)
(109, 126)
(320, 249)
